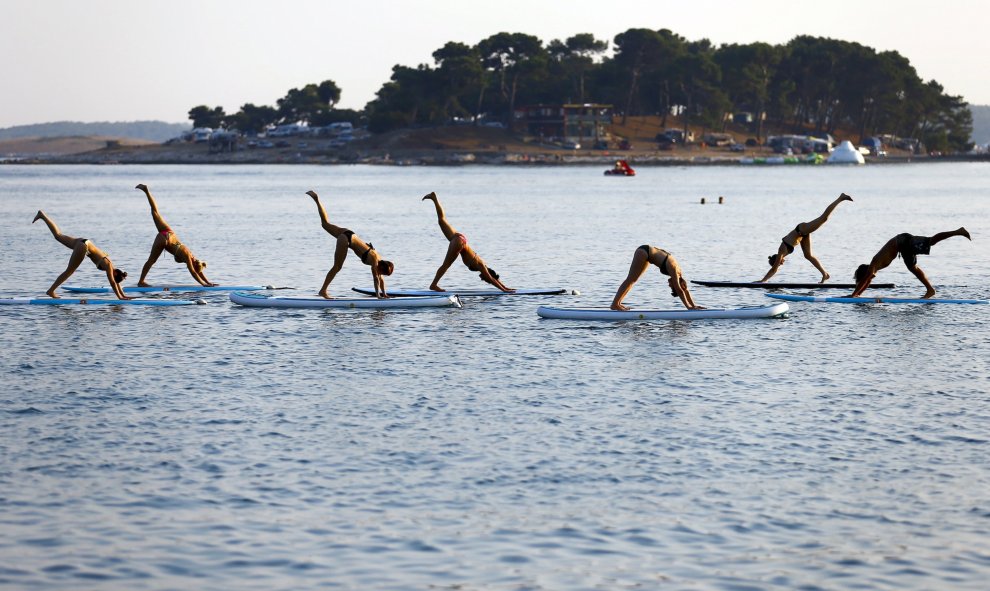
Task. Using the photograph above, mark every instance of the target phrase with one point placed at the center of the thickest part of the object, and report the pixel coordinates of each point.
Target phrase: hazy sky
(125, 60)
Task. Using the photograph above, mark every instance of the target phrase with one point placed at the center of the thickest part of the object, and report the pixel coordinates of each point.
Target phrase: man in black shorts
(908, 247)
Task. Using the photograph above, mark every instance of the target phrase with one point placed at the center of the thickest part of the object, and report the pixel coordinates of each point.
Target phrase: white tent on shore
(846, 153)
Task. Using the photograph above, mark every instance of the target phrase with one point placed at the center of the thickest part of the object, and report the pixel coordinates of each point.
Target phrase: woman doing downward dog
(457, 244)
(646, 255)
(82, 248)
(801, 234)
(167, 241)
(346, 239)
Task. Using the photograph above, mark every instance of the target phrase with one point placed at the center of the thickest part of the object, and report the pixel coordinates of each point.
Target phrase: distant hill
(154, 131)
(981, 123)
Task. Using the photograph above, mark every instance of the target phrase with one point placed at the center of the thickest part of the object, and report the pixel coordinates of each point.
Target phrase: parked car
(625, 145)
(570, 145)
(737, 147)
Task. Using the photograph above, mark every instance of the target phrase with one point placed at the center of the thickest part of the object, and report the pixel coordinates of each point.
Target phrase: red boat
(621, 168)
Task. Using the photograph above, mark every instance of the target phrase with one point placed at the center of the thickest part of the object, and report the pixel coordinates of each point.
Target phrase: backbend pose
(82, 248)
(458, 245)
(166, 240)
(642, 258)
(801, 234)
(908, 247)
(364, 250)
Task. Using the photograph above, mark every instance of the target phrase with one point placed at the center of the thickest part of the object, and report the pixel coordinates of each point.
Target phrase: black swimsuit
(663, 266)
(909, 247)
(350, 237)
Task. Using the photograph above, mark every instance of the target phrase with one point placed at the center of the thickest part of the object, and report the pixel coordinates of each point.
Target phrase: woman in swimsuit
(908, 247)
(801, 234)
(458, 245)
(646, 255)
(82, 248)
(167, 241)
(364, 250)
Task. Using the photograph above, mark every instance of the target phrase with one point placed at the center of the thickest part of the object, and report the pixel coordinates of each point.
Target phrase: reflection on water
(221, 447)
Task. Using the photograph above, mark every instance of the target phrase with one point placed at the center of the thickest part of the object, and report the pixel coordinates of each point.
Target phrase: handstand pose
(364, 250)
(82, 248)
(801, 234)
(909, 247)
(642, 258)
(458, 245)
(167, 241)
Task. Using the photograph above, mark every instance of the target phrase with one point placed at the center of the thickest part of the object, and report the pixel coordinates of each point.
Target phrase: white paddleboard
(261, 300)
(799, 298)
(161, 288)
(770, 311)
(468, 292)
(94, 302)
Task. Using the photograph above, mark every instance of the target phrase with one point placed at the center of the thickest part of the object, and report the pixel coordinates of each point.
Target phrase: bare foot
(825, 278)
(964, 232)
(620, 307)
(142, 187)
(845, 197)
(38, 216)
(143, 284)
(436, 287)
(928, 294)
(51, 294)
(432, 196)
(324, 295)
(313, 194)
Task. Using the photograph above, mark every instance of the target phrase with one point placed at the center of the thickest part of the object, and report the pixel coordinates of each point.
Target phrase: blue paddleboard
(161, 288)
(94, 302)
(799, 298)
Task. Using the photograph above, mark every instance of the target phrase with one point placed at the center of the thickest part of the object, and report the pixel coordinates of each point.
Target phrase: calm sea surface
(217, 447)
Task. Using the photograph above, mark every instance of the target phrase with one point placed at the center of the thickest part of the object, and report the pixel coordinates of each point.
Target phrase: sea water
(484, 448)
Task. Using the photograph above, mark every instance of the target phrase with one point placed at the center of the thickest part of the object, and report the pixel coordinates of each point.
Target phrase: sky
(128, 60)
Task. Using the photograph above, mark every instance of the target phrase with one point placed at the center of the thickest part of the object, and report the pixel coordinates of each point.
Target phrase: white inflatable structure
(846, 153)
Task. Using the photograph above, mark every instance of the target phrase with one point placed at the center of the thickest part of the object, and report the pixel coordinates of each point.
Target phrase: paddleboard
(261, 300)
(95, 302)
(607, 314)
(160, 288)
(468, 292)
(798, 298)
(755, 285)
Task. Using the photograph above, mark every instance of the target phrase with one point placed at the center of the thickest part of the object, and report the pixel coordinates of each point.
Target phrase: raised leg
(943, 235)
(331, 229)
(445, 227)
(65, 239)
(816, 223)
(157, 217)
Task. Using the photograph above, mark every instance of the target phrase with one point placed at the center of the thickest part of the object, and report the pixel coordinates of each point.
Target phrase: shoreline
(467, 154)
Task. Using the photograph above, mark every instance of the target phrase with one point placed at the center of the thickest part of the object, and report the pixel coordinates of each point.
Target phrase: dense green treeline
(811, 84)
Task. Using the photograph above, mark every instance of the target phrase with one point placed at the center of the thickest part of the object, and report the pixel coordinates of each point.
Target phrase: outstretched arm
(379, 282)
(113, 282)
(781, 254)
(492, 280)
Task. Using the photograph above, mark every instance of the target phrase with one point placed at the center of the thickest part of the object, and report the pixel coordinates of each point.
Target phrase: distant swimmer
(908, 247)
(646, 255)
(801, 234)
(458, 245)
(167, 241)
(82, 248)
(364, 250)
